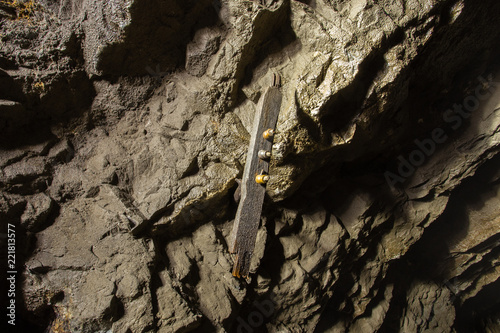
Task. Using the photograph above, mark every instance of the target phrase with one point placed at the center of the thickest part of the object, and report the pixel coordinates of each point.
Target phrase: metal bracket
(255, 177)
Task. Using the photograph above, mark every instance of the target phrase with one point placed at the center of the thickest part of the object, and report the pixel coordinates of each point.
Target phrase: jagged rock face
(125, 126)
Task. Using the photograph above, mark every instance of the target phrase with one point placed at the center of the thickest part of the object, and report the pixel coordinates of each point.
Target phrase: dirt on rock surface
(124, 128)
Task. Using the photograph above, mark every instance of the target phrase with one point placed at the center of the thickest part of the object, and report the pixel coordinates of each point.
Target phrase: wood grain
(246, 223)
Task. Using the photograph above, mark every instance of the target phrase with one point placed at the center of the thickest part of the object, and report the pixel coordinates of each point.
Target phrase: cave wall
(124, 127)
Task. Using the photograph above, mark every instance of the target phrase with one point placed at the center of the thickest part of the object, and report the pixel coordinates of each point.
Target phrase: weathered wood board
(246, 223)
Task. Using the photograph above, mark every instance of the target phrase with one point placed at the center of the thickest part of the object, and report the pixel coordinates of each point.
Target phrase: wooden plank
(246, 223)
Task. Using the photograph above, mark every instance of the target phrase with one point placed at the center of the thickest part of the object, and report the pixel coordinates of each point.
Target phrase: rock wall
(124, 127)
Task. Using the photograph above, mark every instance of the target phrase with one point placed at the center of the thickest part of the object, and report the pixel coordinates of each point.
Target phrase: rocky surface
(124, 127)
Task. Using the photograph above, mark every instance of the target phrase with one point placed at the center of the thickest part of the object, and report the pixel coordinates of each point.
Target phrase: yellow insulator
(268, 134)
(261, 179)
